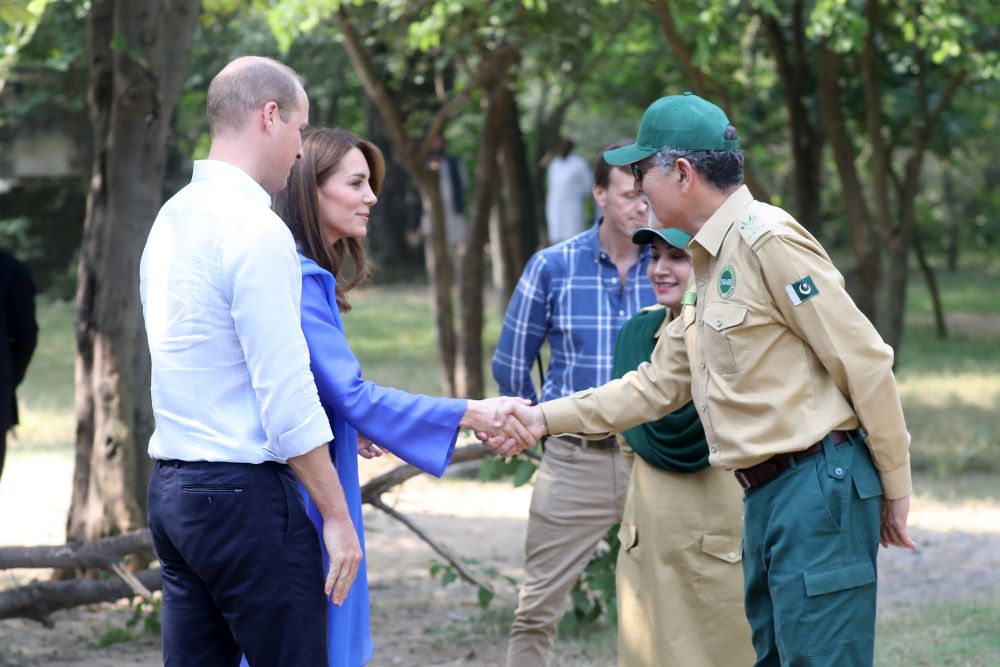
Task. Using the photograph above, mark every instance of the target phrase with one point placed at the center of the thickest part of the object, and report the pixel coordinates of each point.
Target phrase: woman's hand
(368, 449)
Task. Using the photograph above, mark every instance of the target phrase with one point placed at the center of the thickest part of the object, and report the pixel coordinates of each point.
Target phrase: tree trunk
(133, 91)
(867, 265)
(517, 236)
(437, 261)
(806, 141)
(470, 380)
(951, 223)
(413, 159)
(940, 324)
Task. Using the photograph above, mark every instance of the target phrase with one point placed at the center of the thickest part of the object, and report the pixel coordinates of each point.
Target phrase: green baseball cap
(683, 122)
(678, 238)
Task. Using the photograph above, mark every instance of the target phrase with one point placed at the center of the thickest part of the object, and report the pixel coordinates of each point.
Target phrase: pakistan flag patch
(801, 290)
(727, 281)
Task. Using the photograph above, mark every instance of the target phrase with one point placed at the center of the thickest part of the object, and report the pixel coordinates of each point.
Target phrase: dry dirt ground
(418, 623)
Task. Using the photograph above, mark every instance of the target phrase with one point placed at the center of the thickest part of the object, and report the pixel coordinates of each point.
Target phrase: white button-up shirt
(221, 287)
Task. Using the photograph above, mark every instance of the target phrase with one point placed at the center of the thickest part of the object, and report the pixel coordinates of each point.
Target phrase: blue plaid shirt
(570, 294)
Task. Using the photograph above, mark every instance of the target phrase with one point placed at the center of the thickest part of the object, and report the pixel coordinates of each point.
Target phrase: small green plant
(448, 575)
(145, 619)
(520, 468)
(593, 596)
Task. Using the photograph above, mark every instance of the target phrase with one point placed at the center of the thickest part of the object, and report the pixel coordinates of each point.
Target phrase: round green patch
(727, 281)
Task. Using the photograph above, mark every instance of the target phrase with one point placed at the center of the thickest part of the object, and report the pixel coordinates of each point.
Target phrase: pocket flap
(628, 535)
(722, 316)
(867, 482)
(852, 575)
(724, 547)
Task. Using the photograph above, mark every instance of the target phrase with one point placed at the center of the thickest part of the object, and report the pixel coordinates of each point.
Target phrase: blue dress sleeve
(419, 429)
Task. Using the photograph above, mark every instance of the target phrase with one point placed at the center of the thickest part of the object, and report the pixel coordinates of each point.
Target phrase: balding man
(235, 403)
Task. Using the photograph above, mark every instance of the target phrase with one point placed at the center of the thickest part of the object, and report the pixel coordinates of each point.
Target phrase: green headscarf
(677, 441)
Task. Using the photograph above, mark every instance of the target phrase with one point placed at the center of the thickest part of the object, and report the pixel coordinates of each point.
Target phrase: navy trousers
(241, 563)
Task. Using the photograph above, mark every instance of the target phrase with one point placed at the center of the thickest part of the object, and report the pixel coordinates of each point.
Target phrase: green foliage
(593, 596)
(16, 238)
(448, 575)
(18, 21)
(520, 468)
(145, 620)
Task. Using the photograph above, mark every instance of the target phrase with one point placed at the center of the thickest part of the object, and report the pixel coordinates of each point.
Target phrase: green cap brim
(676, 237)
(627, 155)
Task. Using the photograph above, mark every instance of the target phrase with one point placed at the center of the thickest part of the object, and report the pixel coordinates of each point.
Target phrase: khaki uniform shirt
(774, 353)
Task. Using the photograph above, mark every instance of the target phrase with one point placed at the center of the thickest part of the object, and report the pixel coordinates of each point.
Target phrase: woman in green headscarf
(680, 584)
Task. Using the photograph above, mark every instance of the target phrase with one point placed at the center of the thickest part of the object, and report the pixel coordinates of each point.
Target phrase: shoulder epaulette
(752, 225)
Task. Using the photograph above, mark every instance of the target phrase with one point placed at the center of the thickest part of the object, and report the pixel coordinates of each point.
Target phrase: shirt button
(614, 281)
(732, 555)
(718, 323)
(702, 282)
(701, 365)
(703, 407)
(714, 449)
(621, 312)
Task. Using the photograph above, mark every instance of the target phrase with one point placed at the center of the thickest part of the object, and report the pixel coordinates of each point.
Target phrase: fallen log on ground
(37, 600)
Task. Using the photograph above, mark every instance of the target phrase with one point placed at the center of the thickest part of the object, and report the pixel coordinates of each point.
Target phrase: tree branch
(100, 553)
(38, 600)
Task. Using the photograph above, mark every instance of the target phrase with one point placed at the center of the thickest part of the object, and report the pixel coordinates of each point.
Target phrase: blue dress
(418, 429)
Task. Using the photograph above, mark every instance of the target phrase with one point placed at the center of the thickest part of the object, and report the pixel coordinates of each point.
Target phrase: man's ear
(269, 115)
(685, 173)
(600, 194)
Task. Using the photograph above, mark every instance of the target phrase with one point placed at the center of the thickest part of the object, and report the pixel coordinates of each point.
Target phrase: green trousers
(809, 560)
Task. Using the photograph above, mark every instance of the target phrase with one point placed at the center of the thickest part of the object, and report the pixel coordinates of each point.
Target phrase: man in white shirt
(234, 399)
(569, 185)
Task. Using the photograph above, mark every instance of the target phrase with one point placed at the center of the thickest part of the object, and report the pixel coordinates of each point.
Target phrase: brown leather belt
(764, 472)
(609, 442)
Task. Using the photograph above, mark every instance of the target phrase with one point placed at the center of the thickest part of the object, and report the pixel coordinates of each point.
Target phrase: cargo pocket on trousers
(853, 575)
(843, 596)
(628, 535)
(719, 576)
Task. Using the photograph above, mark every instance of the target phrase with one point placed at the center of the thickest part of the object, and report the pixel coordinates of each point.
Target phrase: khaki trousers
(579, 494)
(679, 581)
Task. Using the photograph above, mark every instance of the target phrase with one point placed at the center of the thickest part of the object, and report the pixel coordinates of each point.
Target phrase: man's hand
(520, 421)
(482, 417)
(316, 472)
(368, 449)
(342, 545)
(894, 513)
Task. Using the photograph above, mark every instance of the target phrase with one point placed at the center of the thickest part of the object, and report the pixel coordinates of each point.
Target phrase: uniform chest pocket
(721, 322)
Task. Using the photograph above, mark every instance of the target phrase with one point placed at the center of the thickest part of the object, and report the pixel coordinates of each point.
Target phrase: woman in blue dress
(326, 205)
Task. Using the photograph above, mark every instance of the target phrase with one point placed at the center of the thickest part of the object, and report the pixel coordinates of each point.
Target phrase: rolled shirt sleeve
(263, 281)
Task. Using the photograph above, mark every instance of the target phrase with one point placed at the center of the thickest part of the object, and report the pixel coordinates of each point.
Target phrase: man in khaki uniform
(784, 371)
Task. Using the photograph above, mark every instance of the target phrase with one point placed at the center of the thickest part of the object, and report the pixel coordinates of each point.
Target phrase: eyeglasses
(638, 172)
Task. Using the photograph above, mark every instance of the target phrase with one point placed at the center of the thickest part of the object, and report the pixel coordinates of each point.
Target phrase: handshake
(506, 425)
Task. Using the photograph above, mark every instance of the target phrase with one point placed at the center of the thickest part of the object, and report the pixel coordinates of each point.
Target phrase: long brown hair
(298, 205)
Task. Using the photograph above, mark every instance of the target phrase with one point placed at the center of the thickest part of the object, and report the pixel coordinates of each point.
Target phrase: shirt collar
(595, 243)
(715, 228)
(206, 170)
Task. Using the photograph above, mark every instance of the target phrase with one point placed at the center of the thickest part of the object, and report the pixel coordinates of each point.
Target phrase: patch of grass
(940, 635)
(970, 288)
(391, 330)
(46, 395)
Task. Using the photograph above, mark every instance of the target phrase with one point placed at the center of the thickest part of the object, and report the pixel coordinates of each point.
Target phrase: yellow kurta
(775, 354)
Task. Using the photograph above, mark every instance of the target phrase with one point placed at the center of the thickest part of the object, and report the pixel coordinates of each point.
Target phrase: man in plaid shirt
(577, 294)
